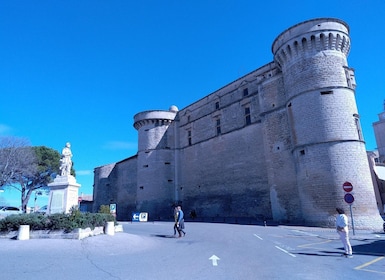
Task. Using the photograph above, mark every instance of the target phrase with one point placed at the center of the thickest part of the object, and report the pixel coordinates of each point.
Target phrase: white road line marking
(305, 233)
(279, 248)
(258, 236)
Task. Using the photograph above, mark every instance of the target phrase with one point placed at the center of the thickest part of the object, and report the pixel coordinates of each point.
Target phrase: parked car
(42, 210)
(9, 210)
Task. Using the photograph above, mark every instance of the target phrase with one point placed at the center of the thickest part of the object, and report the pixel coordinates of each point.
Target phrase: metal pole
(351, 217)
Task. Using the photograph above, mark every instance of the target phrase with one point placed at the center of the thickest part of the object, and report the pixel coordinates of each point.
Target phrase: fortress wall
(156, 179)
(124, 179)
(116, 183)
(307, 75)
(102, 190)
(226, 176)
(329, 117)
(321, 189)
(284, 197)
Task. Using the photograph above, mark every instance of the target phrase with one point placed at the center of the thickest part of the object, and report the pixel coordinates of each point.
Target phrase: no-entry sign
(347, 186)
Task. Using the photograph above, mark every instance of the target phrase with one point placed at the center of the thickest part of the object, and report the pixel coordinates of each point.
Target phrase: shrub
(104, 209)
(59, 221)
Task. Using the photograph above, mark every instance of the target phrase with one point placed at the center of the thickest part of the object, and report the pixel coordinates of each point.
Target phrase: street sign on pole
(347, 186)
(349, 198)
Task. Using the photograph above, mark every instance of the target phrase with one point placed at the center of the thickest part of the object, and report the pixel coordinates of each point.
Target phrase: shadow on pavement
(164, 236)
(374, 248)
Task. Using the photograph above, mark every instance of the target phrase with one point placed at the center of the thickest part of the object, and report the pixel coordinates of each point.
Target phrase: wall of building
(277, 143)
(117, 184)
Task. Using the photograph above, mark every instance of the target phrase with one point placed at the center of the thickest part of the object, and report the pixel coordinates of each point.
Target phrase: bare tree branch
(16, 158)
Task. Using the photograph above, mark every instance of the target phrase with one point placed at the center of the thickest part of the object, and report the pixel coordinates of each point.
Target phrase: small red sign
(348, 187)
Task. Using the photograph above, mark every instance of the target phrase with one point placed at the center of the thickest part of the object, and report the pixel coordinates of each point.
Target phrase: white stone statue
(66, 162)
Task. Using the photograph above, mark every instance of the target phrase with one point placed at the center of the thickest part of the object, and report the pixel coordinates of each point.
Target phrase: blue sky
(79, 71)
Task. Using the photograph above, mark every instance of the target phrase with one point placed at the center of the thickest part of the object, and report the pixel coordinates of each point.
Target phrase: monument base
(63, 195)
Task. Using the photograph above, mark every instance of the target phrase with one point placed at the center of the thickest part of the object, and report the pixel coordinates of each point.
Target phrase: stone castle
(276, 144)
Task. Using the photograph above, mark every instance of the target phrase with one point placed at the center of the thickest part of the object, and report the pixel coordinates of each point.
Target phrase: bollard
(110, 228)
(23, 233)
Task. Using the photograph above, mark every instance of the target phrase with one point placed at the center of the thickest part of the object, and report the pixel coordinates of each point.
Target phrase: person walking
(175, 220)
(343, 231)
(180, 222)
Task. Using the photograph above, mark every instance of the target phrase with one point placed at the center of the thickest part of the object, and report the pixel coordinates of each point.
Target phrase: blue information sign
(135, 217)
(349, 198)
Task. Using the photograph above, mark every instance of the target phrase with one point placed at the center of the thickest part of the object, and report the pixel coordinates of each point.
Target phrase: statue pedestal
(64, 194)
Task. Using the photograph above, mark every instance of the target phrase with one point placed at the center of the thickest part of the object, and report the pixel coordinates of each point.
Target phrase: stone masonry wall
(277, 143)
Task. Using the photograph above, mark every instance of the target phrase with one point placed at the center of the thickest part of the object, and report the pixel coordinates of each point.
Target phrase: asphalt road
(208, 251)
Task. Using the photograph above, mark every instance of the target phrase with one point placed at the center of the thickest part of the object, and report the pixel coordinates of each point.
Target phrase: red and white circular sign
(347, 186)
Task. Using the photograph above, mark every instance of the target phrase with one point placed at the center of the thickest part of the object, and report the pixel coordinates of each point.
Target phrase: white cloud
(120, 145)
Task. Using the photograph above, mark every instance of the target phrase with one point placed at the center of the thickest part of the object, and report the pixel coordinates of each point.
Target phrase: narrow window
(247, 116)
(189, 137)
(217, 105)
(218, 126)
(245, 92)
(358, 126)
(326, 92)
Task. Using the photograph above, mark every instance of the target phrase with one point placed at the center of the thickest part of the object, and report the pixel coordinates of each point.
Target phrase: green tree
(47, 167)
(27, 169)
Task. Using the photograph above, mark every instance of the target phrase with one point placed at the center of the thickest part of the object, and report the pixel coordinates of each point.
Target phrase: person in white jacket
(343, 231)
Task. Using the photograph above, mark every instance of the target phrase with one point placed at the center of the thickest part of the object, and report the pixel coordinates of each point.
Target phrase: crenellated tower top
(310, 37)
(159, 117)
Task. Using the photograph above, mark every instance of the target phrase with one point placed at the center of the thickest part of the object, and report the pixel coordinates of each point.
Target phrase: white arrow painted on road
(214, 259)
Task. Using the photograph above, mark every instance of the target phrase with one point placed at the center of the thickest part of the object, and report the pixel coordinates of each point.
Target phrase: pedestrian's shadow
(322, 254)
(163, 236)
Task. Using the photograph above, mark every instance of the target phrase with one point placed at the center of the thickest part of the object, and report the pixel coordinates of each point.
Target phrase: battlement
(311, 37)
(154, 117)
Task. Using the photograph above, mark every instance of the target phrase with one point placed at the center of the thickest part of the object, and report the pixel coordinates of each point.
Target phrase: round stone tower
(156, 162)
(328, 147)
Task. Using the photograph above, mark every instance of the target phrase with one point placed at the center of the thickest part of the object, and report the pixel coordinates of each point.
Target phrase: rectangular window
(358, 126)
(218, 126)
(216, 105)
(247, 116)
(189, 137)
(245, 92)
